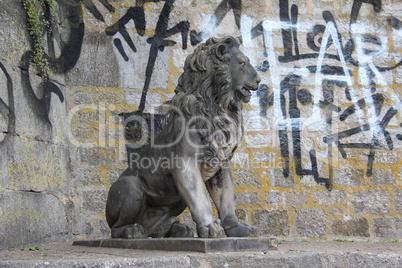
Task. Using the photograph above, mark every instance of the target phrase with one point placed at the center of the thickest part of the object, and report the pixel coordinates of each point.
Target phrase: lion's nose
(258, 79)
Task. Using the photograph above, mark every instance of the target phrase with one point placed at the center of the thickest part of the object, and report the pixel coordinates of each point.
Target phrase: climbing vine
(41, 14)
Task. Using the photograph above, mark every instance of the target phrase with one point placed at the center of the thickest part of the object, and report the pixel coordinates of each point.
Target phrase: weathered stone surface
(274, 197)
(382, 177)
(329, 198)
(244, 176)
(97, 155)
(371, 201)
(398, 200)
(94, 200)
(42, 157)
(271, 222)
(348, 177)
(29, 217)
(246, 198)
(311, 222)
(198, 260)
(38, 166)
(388, 228)
(358, 227)
(277, 178)
(96, 66)
(187, 244)
(295, 198)
(13, 32)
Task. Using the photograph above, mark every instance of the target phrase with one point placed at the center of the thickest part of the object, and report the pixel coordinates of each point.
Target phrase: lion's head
(217, 78)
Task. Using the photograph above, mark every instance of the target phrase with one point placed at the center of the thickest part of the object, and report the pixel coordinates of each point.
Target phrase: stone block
(358, 227)
(97, 155)
(398, 200)
(246, 198)
(388, 228)
(329, 198)
(187, 244)
(13, 32)
(311, 222)
(278, 180)
(348, 177)
(382, 177)
(260, 140)
(268, 158)
(27, 217)
(244, 177)
(96, 65)
(295, 198)
(371, 202)
(94, 200)
(271, 222)
(38, 166)
(274, 198)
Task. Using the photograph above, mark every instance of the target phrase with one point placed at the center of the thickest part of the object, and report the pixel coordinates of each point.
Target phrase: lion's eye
(242, 63)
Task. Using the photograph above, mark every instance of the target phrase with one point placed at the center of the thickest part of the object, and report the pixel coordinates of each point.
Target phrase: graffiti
(7, 110)
(323, 42)
(332, 61)
(70, 48)
(158, 41)
(220, 12)
(329, 80)
(90, 6)
(40, 106)
(70, 51)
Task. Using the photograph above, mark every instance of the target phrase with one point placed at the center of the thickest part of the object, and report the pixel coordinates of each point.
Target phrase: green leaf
(32, 249)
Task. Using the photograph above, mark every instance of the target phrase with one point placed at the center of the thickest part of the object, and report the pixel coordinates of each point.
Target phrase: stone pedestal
(188, 244)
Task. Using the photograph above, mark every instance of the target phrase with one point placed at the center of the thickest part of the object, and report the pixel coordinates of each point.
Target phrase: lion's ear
(222, 50)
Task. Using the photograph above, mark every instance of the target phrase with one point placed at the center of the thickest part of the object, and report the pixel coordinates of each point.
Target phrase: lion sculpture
(204, 128)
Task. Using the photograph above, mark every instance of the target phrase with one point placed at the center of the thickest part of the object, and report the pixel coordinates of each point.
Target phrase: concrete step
(289, 254)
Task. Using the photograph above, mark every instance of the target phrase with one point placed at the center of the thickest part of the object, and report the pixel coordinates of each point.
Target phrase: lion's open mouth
(250, 86)
(245, 91)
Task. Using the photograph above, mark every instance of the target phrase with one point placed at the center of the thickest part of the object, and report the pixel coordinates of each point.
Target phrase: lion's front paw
(214, 230)
(180, 230)
(241, 230)
(135, 231)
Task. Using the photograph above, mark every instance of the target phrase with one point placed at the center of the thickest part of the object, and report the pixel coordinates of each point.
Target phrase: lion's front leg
(192, 189)
(221, 190)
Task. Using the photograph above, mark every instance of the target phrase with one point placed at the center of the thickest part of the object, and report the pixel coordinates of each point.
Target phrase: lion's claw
(180, 230)
(214, 230)
(241, 230)
(135, 231)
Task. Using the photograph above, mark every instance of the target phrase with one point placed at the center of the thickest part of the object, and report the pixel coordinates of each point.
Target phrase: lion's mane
(204, 93)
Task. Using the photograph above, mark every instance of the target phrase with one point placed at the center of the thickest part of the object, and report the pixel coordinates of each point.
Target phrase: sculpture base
(187, 244)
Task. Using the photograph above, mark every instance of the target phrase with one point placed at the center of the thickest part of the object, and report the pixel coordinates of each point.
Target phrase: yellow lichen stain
(34, 167)
(15, 216)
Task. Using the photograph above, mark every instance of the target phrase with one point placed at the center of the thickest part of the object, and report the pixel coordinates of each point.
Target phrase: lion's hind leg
(124, 206)
(162, 221)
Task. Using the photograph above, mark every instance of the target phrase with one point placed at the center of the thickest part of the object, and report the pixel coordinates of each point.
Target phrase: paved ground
(289, 254)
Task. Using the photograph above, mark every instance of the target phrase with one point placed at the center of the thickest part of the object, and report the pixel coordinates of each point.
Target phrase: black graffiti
(291, 85)
(158, 41)
(373, 145)
(291, 42)
(377, 101)
(7, 110)
(357, 4)
(70, 49)
(39, 105)
(291, 93)
(220, 12)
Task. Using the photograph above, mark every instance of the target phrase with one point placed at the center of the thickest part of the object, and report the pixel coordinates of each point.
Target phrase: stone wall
(320, 158)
